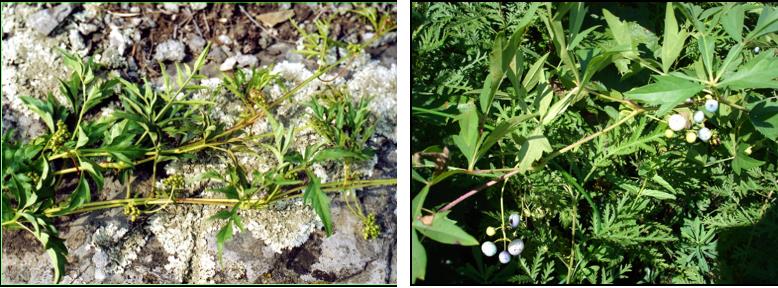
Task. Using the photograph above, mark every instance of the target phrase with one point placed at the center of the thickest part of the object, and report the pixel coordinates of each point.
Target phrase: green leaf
(661, 181)
(658, 194)
(467, 140)
(419, 258)
(44, 109)
(707, 44)
(620, 30)
(673, 39)
(668, 91)
(732, 21)
(445, 231)
(81, 195)
(499, 132)
(759, 73)
(222, 214)
(225, 234)
(533, 75)
(733, 56)
(94, 171)
(532, 149)
(767, 23)
(742, 161)
(497, 69)
(418, 201)
(764, 116)
(7, 212)
(230, 191)
(331, 154)
(82, 138)
(320, 202)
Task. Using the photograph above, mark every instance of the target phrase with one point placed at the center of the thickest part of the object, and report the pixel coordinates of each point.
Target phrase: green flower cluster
(59, 137)
(370, 228)
(131, 211)
(174, 182)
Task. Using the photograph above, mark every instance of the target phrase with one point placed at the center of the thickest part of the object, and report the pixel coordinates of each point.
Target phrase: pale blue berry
(515, 247)
(711, 105)
(704, 134)
(677, 122)
(488, 248)
(505, 257)
(514, 220)
(699, 117)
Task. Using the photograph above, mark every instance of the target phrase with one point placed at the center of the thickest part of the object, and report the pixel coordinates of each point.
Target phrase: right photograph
(594, 143)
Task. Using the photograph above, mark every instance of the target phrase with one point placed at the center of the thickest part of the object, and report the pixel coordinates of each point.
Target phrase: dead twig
(251, 18)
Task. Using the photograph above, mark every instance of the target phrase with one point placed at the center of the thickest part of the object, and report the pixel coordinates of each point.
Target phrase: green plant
(155, 126)
(575, 120)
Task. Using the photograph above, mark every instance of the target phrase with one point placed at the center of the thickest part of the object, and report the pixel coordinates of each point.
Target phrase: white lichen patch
(283, 228)
(173, 230)
(113, 251)
(380, 84)
(31, 68)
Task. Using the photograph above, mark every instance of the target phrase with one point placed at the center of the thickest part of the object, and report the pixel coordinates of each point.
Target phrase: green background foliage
(569, 103)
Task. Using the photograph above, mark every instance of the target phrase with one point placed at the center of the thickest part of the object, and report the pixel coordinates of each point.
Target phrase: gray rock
(224, 39)
(246, 60)
(196, 44)
(217, 55)
(228, 64)
(170, 7)
(87, 28)
(117, 40)
(170, 50)
(76, 41)
(198, 6)
(135, 9)
(45, 21)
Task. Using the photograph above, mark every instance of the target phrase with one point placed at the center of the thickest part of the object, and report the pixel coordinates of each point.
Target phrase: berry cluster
(514, 247)
(370, 227)
(678, 122)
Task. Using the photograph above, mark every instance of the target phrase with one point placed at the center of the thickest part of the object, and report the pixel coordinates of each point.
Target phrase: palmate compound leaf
(667, 92)
(444, 230)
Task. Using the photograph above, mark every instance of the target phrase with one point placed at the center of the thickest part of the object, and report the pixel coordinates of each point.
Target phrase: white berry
(704, 134)
(505, 257)
(515, 247)
(756, 50)
(489, 248)
(514, 220)
(711, 105)
(699, 117)
(677, 122)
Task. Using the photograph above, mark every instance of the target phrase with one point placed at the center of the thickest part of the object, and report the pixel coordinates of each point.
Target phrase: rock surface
(282, 244)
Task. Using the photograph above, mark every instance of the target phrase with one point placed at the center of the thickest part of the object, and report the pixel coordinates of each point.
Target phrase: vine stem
(543, 162)
(326, 187)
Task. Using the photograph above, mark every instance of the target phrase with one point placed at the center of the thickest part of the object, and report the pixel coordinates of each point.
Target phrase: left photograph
(196, 143)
